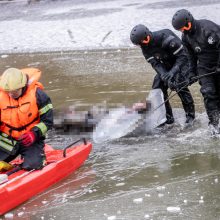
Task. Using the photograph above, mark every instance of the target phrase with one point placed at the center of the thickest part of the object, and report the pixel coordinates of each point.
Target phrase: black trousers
(33, 156)
(184, 95)
(210, 89)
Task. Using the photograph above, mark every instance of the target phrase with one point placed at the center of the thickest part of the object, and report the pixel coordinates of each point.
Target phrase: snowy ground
(74, 24)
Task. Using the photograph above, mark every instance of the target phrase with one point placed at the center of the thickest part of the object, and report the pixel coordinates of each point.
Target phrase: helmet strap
(146, 40)
(24, 89)
(186, 28)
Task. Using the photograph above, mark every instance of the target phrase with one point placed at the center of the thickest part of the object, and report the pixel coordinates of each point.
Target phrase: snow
(85, 25)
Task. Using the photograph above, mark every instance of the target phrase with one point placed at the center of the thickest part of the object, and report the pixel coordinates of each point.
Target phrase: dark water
(91, 77)
(172, 175)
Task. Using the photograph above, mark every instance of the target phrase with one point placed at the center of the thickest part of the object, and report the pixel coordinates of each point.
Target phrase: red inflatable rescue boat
(22, 185)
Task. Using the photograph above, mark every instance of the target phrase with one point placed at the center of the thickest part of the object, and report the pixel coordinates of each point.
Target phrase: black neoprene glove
(167, 76)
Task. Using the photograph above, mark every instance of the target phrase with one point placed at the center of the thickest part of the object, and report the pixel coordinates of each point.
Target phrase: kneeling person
(26, 115)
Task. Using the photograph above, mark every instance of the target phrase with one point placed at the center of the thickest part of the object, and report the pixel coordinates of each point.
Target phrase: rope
(183, 87)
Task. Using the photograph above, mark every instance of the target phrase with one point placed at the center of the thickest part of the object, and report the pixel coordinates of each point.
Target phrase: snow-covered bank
(83, 25)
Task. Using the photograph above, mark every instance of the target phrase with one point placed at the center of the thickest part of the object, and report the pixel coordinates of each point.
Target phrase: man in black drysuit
(165, 52)
(202, 41)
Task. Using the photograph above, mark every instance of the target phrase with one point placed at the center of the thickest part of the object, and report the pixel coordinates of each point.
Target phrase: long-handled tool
(185, 84)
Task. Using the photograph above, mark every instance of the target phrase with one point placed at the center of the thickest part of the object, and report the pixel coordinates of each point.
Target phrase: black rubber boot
(213, 122)
(190, 114)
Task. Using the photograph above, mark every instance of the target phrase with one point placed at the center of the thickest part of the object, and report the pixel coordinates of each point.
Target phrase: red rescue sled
(22, 185)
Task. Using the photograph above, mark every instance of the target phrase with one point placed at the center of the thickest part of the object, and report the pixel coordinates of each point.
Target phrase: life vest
(21, 115)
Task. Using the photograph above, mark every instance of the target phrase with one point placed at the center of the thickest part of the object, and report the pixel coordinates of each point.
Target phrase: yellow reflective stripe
(4, 166)
(4, 135)
(6, 146)
(6, 140)
(45, 109)
(42, 127)
(6, 143)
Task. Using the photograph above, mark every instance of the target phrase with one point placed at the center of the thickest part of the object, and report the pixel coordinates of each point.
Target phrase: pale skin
(142, 106)
(15, 93)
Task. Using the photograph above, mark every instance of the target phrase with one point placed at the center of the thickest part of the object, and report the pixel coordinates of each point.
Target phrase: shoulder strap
(33, 73)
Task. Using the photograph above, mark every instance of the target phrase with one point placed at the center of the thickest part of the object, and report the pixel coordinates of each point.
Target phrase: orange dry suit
(18, 115)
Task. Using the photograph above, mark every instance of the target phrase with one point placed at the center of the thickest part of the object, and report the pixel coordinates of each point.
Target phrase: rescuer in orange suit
(26, 114)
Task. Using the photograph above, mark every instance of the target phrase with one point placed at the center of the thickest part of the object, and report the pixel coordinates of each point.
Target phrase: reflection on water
(169, 175)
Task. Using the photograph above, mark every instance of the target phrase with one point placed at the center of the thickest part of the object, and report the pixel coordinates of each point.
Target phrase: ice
(112, 217)
(160, 188)
(113, 177)
(146, 216)
(120, 184)
(9, 215)
(4, 56)
(20, 214)
(201, 201)
(160, 195)
(173, 209)
(147, 195)
(117, 123)
(138, 200)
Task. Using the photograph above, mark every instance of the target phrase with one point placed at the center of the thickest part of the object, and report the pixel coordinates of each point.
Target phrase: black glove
(172, 85)
(167, 76)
